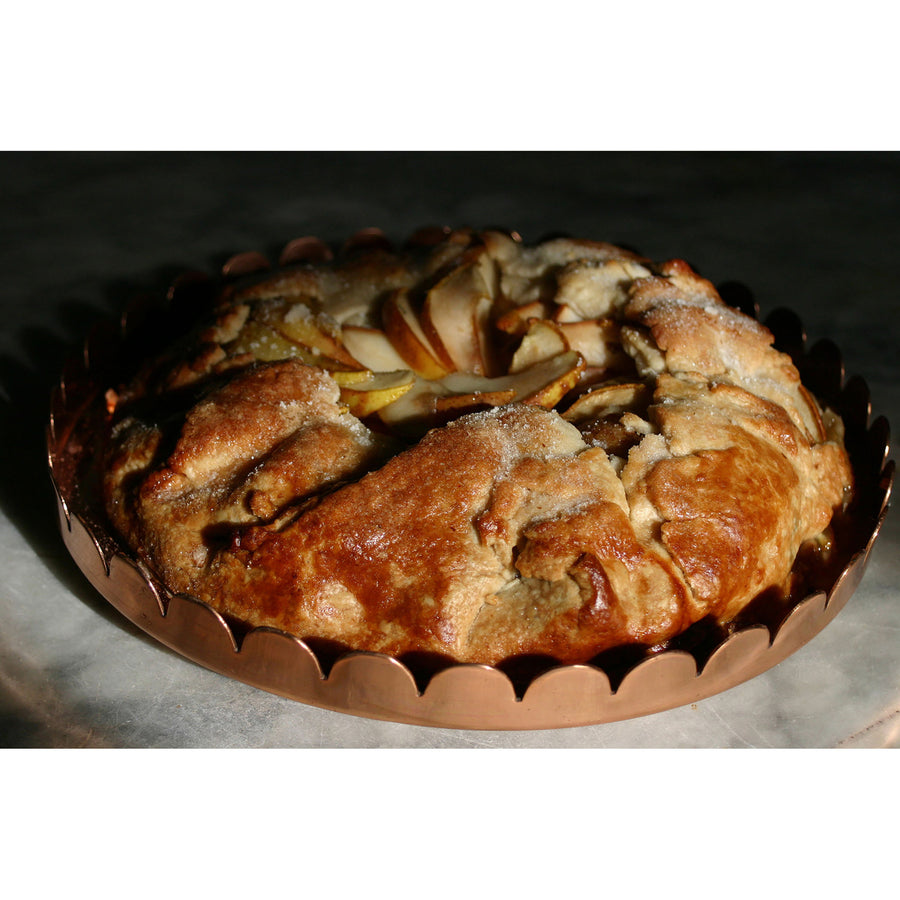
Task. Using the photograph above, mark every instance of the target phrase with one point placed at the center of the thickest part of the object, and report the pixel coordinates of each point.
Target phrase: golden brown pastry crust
(477, 449)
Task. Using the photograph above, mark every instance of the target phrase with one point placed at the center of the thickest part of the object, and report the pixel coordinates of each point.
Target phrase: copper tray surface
(620, 686)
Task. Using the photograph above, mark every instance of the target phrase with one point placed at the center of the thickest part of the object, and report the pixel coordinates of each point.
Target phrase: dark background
(82, 233)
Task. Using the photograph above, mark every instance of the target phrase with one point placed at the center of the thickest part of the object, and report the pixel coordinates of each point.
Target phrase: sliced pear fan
(456, 316)
(427, 363)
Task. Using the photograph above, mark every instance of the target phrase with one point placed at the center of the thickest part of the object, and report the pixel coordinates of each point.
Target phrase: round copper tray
(459, 696)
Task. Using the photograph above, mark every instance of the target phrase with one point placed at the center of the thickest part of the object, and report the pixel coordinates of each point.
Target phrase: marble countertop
(82, 234)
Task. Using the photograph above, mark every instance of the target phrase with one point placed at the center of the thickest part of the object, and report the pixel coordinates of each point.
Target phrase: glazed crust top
(475, 448)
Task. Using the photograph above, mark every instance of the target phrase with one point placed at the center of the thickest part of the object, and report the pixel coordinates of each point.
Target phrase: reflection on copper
(634, 682)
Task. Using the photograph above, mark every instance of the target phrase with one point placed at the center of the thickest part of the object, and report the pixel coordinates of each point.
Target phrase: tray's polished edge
(461, 696)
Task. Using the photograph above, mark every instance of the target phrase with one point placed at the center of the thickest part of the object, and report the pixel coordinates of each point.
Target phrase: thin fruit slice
(549, 381)
(608, 400)
(267, 344)
(350, 376)
(402, 327)
(545, 383)
(459, 404)
(517, 320)
(414, 409)
(428, 402)
(383, 388)
(565, 314)
(302, 327)
(371, 348)
(543, 340)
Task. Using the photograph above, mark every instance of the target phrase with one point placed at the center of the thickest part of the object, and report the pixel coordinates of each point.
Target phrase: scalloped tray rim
(373, 685)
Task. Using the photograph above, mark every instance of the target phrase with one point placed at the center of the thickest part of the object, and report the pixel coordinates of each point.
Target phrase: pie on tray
(475, 448)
